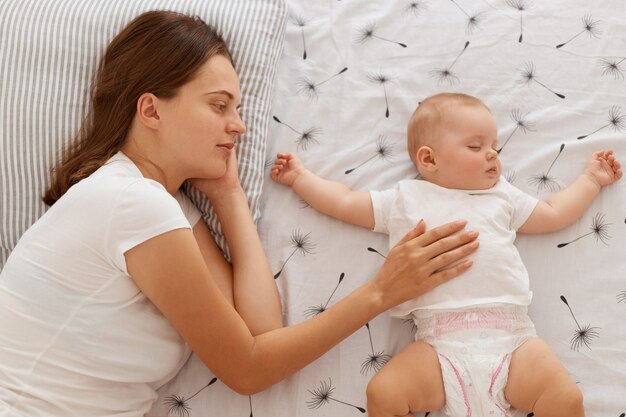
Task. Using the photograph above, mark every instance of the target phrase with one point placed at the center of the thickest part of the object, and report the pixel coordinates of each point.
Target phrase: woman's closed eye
(220, 106)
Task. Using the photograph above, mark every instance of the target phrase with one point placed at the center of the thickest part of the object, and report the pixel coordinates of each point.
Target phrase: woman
(102, 296)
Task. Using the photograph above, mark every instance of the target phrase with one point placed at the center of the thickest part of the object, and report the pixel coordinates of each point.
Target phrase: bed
(351, 73)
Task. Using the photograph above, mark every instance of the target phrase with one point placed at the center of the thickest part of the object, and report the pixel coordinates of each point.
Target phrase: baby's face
(466, 150)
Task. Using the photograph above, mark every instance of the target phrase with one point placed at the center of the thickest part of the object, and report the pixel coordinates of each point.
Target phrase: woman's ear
(426, 159)
(147, 110)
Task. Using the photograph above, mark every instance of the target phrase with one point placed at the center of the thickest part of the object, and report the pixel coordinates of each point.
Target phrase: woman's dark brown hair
(156, 53)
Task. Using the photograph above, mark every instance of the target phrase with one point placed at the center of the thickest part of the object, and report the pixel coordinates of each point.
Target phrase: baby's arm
(329, 197)
(565, 207)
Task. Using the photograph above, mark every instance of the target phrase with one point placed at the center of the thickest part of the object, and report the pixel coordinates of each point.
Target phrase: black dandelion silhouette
(305, 137)
(521, 6)
(414, 8)
(301, 23)
(269, 162)
(612, 67)
(310, 88)
(370, 249)
(301, 243)
(621, 297)
(381, 79)
(520, 123)
(590, 26)
(510, 176)
(315, 310)
(584, 335)
(303, 203)
(544, 181)
(411, 323)
(383, 151)
(446, 74)
(250, 402)
(375, 360)
(472, 20)
(616, 120)
(368, 32)
(324, 394)
(529, 76)
(180, 405)
(599, 229)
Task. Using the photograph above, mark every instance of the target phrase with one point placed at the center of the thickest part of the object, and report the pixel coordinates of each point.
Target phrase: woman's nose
(236, 125)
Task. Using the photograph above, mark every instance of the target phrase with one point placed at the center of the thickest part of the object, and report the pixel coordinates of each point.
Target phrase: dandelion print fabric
(351, 74)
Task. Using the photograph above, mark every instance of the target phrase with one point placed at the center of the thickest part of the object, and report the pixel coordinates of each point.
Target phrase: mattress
(351, 74)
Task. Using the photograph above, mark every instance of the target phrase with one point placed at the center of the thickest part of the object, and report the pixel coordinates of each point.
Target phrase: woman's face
(200, 123)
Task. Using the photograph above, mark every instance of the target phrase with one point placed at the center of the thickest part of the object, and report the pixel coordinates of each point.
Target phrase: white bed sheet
(351, 74)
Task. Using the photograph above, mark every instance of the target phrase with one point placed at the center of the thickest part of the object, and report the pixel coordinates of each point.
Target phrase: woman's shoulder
(120, 177)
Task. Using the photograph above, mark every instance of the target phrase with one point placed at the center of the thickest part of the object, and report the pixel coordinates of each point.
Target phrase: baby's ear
(426, 159)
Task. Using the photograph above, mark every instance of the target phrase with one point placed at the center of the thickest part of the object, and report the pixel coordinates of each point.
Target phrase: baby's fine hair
(428, 117)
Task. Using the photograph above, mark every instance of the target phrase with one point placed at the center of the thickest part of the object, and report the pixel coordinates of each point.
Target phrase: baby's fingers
(617, 169)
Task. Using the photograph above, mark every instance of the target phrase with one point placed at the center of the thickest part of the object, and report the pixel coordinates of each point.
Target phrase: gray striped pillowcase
(49, 50)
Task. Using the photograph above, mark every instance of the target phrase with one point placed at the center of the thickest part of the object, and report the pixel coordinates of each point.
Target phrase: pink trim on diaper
(461, 383)
(471, 319)
(495, 375)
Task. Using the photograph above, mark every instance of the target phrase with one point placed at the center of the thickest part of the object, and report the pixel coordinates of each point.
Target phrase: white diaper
(475, 347)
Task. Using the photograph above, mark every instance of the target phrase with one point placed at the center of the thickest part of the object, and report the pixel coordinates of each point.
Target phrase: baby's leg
(410, 381)
(538, 382)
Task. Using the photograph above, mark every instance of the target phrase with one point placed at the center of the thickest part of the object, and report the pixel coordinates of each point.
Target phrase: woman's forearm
(278, 354)
(254, 290)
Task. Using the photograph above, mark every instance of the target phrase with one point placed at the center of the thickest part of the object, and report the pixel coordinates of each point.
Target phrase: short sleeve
(381, 203)
(144, 209)
(191, 212)
(523, 204)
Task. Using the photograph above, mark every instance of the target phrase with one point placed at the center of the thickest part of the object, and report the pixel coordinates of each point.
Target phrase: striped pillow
(49, 50)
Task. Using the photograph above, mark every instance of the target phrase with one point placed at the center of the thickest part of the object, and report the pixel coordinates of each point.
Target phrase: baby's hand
(604, 168)
(286, 169)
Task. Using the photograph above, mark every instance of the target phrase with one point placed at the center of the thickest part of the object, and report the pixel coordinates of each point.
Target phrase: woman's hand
(227, 183)
(423, 260)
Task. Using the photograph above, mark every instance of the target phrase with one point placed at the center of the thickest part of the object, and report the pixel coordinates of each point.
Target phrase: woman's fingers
(447, 274)
(413, 233)
(440, 232)
(447, 244)
(448, 260)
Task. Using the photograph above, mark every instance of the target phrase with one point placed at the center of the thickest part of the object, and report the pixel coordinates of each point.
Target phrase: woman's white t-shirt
(77, 337)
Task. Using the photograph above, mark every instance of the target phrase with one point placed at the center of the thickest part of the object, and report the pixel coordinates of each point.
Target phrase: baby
(475, 351)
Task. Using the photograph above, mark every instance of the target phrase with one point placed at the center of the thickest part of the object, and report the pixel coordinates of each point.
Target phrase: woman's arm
(252, 289)
(220, 269)
(172, 273)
